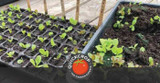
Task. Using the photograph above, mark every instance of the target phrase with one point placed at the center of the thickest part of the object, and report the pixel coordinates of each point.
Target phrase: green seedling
(37, 20)
(10, 40)
(118, 24)
(117, 60)
(10, 54)
(24, 45)
(50, 33)
(41, 27)
(37, 61)
(142, 49)
(15, 8)
(62, 36)
(3, 25)
(48, 23)
(133, 47)
(10, 14)
(20, 24)
(126, 23)
(33, 47)
(129, 11)
(75, 51)
(65, 50)
(1, 37)
(55, 25)
(28, 26)
(140, 3)
(62, 18)
(58, 56)
(85, 43)
(151, 61)
(122, 11)
(35, 12)
(72, 21)
(156, 17)
(43, 52)
(82, 32)
(2, 18)
(151, 20)
(70, 28)
(30, 17)
(20, 61)
(2, 12)
(72, 40)
(52, 42)
(29, 35)
(133, 24)
(42, 39)
(19, 16)
(10, 31)
(23, 32)
(83, 25)
(11, 21)
(52, 17)
(28, 9)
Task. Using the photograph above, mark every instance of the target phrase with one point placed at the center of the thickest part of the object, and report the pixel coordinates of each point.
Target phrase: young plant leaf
(72, 21)
(62, 36)
(42, 39)
(43, 52)
(33, 47)
(10, 54)
(52, 42)
(41, 27)
(20, 61)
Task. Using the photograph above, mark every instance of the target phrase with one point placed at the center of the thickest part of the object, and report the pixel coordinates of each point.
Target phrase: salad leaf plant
(72, 21)
(133, 24)
(24, 45)
(142, 49)
(33, 47)
(151, 61)
(75, 51)
(10, 54)
(15, 8)
(42, 39)
(50, 33)
(20, 24)
(10, 40)
(43, 52)
(133, 47)
(58, 56)
(1, 37)
(37, 20)
(36, 62)
(35, 12)
(48, 23)
(53, 43)
(3, 25)
(83, 25)
(10, 31)
(41, 27)
(63, 35)
(29, 35)
(65, 50)
(52, 17)
(23, 32)
(19, 16)
(118, 24)
(20, 61)
(10, 14)
(11, 21)
(82, 32)
(70, 28)
(30, 17)
(72, 40)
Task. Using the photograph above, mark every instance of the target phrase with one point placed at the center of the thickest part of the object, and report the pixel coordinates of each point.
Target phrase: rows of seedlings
(133, 40)
(32, 39)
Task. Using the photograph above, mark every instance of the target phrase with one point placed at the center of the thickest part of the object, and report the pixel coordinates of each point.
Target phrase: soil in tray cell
(3, 38)
(38, 32)
(29, 40)
(19, 36)
(41, 44)
(79, 34)
(146, 35)
(18, 48)
(57, 61)
(82, 44)
(10, 32)
(72, 42)
(54, 49)
(37, 21)
(65, 49)
(2, 51)
(29, 28)
(59, 39)
(49, 34)
(7, 59)
(89, 35)
(22, 61)
(31, 53)
(8, 44)
(56, 28)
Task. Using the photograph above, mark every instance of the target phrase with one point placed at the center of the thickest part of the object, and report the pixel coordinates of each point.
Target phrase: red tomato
(80, 67)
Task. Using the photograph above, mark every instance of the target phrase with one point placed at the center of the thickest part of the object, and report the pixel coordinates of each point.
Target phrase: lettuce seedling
(1, 37)
(151, 61)
(50, 33)
(10, 31)
(33, 47)
(20, 61)
(2, 12)
(10, 40)
(75, 51)
(48, 23)
(29, 35)
(62, 18)
(52, 17)
(52, 42)
(129, 11)
(29, 26)
(156, 17)
(83, 25)
(15, 8)
(82, 32)
(37, 20)
(118, 24)
(28, 9)
(42, 39)
(133, 47)
(41, 27)
(85, 43)
(24, 45)
(72, 40)
(10, 14)
(3, 25)
(55, 25)
(122, 11)
(23, 32)
(117, 59)
(19, 16)
(133, 24)
(142, 49)
(70, 28)
(43, 52)
(37, 61)
(72, 21)
(151, 20)
(30, 17)
(58, 56)
(10, 54)
(20, 24)
(11, 21)
(62, 36)
(35, 12)
(65, 50)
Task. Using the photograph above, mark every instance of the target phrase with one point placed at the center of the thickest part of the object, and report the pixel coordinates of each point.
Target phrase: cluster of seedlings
(32, 39)
(132, 41)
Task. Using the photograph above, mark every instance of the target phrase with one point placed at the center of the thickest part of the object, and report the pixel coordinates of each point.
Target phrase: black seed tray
(26, 54)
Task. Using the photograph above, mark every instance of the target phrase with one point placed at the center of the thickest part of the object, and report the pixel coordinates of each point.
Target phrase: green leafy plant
(43, 52)
(10, 14)
(55, 25)
(23, 32)
(50, 33)
(65, 50)
(52, 42)
(117, 60)
(133, 24)
(85, 43)
(129, 11)
(15, 8)
(156, 17)
(52, 17)
(118, 24)
(20, 24)
(1, 37)
(75, 51)
(48, 23)
(142, 49)
(72, 40)
(83, 25)
(28, 9)
(82, 32)
(41, 27)
(19, 16)
(30, 17)
(11, 21)
(133, 47)
(10, 40)
(10, 31)
(151, 20)
(29, 35)
(35, 12)
(37, 61)
(37, 20)
(151, 61)
(3, 25)
(20, 61)
(24, 45)
(72, 21)
(63, 35)
(42, 39)
(10, 54)
(63, 18)
(70, 28)
(122, 11)
(33, 47)
(58, 56)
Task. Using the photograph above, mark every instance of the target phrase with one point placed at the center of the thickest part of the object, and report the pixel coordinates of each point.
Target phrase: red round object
(80, 67)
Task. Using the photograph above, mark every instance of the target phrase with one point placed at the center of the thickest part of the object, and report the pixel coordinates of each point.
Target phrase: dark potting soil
(129, 38)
